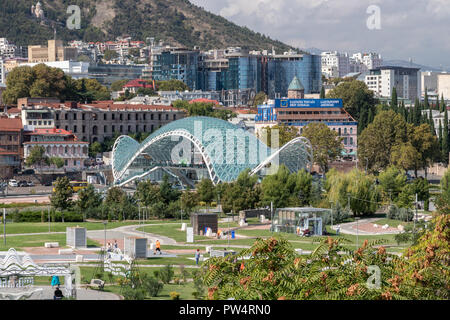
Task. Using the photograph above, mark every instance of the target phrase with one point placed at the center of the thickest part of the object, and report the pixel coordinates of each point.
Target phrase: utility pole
(4, 226)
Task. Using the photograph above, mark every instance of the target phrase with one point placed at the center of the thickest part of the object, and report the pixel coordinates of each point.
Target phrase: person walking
(55, 281)
(197, 256)
(158, 247)
(338, 229)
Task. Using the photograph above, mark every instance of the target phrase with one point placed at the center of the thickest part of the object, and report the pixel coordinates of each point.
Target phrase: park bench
(97, 284)
(51, 244)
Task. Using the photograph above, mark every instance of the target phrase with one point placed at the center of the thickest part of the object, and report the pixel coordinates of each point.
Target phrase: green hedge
(39, 216)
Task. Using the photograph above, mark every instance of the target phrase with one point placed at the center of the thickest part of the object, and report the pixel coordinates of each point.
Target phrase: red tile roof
(51, 131)
(10, 124)
(203, 100)
(138, 83)
(14, 110)
(56, 142)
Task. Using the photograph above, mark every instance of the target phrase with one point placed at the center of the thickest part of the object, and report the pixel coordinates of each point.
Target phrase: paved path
(350, 228)
(82, 294)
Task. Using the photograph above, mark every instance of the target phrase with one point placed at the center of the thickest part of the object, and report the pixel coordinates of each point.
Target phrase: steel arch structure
(225, 151)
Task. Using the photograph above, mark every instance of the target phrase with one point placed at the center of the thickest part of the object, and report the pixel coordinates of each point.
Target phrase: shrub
(166, 274)
(133, 294)
(402, 214)
(152, 286)
(174, 295)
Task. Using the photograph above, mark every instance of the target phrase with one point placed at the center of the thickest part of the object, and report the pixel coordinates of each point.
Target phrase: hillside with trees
(177, 22)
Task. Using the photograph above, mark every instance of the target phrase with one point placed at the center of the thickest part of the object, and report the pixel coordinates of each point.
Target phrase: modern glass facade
(181, 66)
(106, 74)
(282, 69)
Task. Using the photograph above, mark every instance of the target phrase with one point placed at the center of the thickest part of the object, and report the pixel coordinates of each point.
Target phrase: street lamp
(357, 232)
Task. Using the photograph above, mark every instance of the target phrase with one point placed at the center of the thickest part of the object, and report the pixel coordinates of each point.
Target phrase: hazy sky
(417, 29)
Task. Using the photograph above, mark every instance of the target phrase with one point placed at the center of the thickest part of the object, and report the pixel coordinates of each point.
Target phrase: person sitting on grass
(58, 294)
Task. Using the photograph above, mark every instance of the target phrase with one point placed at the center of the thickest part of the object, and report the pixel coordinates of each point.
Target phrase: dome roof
(296, 84)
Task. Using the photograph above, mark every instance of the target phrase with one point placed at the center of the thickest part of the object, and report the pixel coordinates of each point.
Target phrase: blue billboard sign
(308, 103)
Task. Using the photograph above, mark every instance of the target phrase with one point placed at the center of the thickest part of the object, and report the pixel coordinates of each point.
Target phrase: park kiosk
(201, 221)
(76, 237)
(295, 220)
(135, 247)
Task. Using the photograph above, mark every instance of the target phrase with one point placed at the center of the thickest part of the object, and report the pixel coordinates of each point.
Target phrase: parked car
(28, 171)
(22, 183)
(48, 183)
(30, 184)
(13, 183)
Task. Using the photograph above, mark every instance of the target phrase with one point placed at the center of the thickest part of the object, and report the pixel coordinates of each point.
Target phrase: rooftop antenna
(410, 62)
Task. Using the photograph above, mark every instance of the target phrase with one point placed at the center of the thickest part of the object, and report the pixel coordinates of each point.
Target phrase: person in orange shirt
(158, 247)
(242, 266)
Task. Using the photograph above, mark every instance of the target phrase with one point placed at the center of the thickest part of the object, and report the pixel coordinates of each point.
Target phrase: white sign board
(190, 234)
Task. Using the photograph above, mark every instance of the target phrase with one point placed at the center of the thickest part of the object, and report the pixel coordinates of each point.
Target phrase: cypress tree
(416, 116)
(394, 101)
(370, 117)
(362, 124)
(431, 123)
(322, 93)
(443, 106)
(425, 100)
(437, 106)
(445, 140)
(440, 136)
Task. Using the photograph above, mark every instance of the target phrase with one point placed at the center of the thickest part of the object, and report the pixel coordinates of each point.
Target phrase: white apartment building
(438, 117)
(75, 69)
(7, 50)
(363, 62)
(383, 79)
(2, 72)
(443, 85)
(339, 61)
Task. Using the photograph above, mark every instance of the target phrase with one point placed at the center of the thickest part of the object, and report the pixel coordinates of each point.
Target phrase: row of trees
(44, 81)
(203, 109)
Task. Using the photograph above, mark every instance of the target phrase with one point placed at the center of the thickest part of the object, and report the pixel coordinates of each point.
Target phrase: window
(105, 129)
(345, 130)
(145, 116)
(82, 116)
(75, 129)
(137, 116)
(159, 116)
(129, 116)
(113, 128)
(104, 117)
(66, 128)
(145, 128)
(137, 128)
(57, 116)
(40, 122)
(129, 128)
(83, 129)
(345, 141)
(174, 117)
(151, 116)
(351, 141)
(74, 116)
(121, 117)
(112, 116)
(351, 130)
(66, 116)
(167, 117)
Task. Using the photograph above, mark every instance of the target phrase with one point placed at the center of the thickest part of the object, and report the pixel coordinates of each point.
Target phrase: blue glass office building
(177, 65)
(282, 69)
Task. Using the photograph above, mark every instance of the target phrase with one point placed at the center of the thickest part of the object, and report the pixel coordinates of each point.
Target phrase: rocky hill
(177, 22)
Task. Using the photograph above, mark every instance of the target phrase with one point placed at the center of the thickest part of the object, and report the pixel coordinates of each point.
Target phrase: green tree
(109, 55)
(445, 139)
(188, 200)
(205, 191)
(426, 145)
(392, 181)
(94, 149)
(37, 157)
(394, 101)
(57, 162)
(326, 144)
(322, 92)
(171, 85)
(405, 156)
(61, 198)
(260, 97)
(242, 194)
(355, 96)
(281, 132)
(280, 189)
(118, 84)
(375, 144)
(88, 202)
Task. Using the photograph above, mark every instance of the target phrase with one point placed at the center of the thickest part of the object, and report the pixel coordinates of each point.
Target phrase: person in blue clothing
(55, 281)
(197, 256)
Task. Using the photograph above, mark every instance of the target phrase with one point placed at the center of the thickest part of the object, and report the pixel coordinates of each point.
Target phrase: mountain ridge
(176, 22)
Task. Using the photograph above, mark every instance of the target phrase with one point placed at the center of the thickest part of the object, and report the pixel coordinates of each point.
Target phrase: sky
(398, 29)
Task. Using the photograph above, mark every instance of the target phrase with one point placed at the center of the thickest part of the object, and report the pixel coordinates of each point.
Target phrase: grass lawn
(391, 222)
(172, 230)
(37, 227)
(37, 241)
